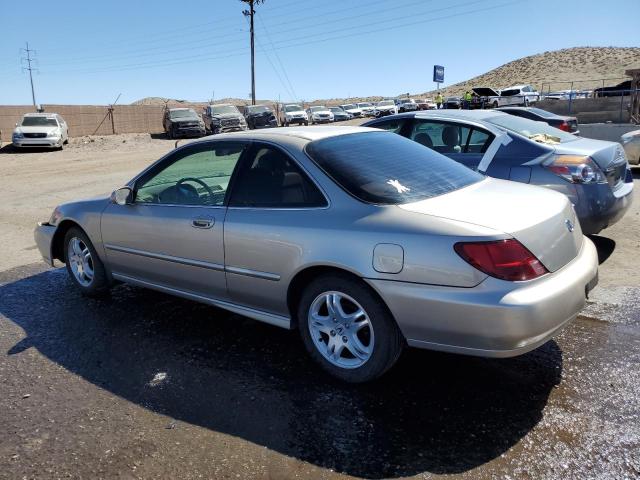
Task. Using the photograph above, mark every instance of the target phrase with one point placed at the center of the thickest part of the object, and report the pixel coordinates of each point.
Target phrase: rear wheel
(83, 264)
(347, 329)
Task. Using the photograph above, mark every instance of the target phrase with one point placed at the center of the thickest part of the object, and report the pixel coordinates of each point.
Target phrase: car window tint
(196, 175)
(269, 178)
(390, 125)
(478, 141)
(384, 168)
(442, 137)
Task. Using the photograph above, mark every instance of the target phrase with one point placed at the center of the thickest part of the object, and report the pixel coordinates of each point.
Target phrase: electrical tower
(30, 69)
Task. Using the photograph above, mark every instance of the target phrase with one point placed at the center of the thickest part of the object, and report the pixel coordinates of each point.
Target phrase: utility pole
(250, 13)
(28, 52)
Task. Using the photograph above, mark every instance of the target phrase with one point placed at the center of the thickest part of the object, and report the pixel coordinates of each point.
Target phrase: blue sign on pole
(438, 73)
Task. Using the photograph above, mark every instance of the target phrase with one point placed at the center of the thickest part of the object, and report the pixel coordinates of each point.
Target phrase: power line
(284, 70)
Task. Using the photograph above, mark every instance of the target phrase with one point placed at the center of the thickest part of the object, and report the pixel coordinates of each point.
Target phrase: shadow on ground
(605, 247)
(433, 412)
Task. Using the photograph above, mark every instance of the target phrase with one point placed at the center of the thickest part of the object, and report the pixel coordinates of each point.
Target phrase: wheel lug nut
(344, 339)
(333, 333)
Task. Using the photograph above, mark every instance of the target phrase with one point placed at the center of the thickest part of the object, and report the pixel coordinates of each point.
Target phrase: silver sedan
(362, 240)
(631, 144)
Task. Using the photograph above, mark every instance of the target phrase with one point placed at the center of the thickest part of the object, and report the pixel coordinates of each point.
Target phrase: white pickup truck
(524, 95)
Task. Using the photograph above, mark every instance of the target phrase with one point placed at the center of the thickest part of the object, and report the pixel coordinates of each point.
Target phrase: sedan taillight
(503, 259)
(564, 126)
(576, 169)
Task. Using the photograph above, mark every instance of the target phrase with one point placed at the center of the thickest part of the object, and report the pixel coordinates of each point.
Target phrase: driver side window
(196, 175)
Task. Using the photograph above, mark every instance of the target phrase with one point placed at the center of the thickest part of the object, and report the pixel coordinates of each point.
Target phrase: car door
(273, 208)
(461, 142)
(171, 235)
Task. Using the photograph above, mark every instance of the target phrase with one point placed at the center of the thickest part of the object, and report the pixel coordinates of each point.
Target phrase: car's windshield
(39, 122)
(349, 106)
(186, 113)
(364, 105)
(385, 168)
(258, 109)
(384, 103)
(318, 109)
(336, 109)
(537, 131)
(223, 109)
(292, 108)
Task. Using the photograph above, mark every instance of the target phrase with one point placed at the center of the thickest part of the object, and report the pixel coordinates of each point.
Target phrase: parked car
(361, 240)
(593, 174)
(484, 97)
(563, 122)
(621, 89)
(292, 113)
(352, 109)
(406, 105)
(524, 95)
(425, 104)
(452, 103)
(339, 114)
(631, 143)
(259, 116)
(41, 130)
(182, 122)
(385, 107)
(319, 114)
(367, 108)
(221, 118)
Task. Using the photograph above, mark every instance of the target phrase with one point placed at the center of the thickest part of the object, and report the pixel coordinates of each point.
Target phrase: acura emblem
(569, 225)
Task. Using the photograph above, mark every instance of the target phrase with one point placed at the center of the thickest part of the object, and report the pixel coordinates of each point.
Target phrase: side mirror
(123, 196)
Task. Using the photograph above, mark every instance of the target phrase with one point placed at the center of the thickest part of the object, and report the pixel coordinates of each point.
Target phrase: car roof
(304, 133)
(459, 114)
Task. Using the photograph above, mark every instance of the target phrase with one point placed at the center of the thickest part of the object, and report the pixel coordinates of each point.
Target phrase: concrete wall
(85, 119)
(591, 110)
(606, 131)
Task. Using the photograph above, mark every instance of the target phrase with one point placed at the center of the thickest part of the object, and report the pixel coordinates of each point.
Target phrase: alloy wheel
(80, 261)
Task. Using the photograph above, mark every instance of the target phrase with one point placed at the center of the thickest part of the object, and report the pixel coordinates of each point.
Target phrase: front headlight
(17, 134)
(576, 169)
(53, 133)
(215, 121)
(55, 216)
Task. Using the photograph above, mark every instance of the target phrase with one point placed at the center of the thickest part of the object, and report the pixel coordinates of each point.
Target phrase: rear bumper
(43, 235)
(600, 207)
(496, 318)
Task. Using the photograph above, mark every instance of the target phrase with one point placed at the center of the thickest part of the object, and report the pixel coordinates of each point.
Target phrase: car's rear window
(537, 131)
(385, 168)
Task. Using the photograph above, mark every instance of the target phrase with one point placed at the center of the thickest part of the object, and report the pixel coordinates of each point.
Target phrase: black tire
(389, 341)
(306, 124)
(99, 285)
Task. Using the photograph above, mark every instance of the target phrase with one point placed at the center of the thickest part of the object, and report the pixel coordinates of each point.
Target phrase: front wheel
(347, 329)
(83, 264)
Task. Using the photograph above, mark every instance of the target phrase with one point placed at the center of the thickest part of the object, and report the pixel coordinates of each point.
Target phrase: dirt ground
(144, 385)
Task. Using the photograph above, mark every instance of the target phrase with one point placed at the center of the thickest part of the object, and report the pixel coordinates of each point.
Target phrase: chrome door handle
(202, 222)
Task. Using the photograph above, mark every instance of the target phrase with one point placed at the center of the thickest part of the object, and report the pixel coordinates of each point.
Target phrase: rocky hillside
(581, 65)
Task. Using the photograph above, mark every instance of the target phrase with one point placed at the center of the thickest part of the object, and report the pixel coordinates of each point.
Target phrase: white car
(524, 95)
(353, 109)
(366, 107)
(385, 107)
(407, 105)
(292, 113)
(631, 143)
(319, 114)
(41, 130)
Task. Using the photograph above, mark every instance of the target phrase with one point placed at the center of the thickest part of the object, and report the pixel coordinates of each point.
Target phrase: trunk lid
(542, 220)
(486, 92)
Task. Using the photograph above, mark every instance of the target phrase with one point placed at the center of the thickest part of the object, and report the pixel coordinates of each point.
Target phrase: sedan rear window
(537, 131)
(385, 168)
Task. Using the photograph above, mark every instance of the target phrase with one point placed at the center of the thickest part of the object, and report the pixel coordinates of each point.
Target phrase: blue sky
(88, 52)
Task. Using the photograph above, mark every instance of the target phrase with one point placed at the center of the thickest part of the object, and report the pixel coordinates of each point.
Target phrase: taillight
(564, 126)
(576, 169)
(503, 259)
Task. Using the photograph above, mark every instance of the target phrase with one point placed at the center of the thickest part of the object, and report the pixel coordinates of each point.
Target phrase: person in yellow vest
(466, 103)
(439, 100)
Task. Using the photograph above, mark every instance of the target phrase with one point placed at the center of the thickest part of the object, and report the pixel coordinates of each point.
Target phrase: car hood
(385, 107)
(42, 129)
(322, 112)
(184, 119)
(486, 92)
(534, 216)
(226, 115)
(296, 112)
(268, 113)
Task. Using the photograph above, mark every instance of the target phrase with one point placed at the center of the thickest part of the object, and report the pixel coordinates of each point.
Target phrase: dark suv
(223, 118)
(259, 116)
(182, 122)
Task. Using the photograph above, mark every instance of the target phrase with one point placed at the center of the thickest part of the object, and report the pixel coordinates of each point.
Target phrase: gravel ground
(111, 388)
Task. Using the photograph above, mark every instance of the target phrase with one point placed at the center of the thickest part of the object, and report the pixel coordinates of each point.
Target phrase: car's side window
(394, 125)
(196, 175)
(269, 178)
(446, 137)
